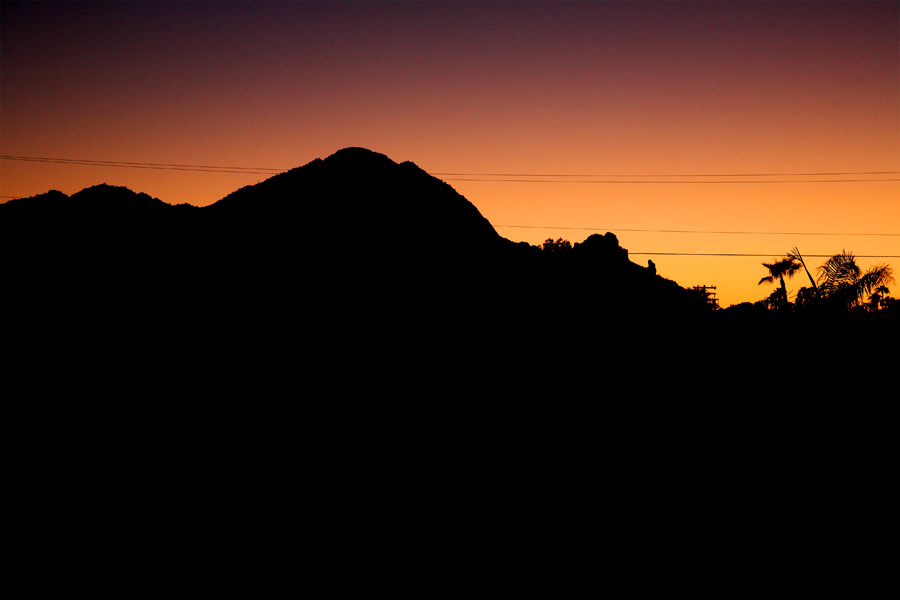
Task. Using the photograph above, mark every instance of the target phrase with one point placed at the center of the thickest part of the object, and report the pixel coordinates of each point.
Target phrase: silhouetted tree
(806, 297)
(559, 245)
(843, 284)
(778, 270)
(878, 297)
(773, 301)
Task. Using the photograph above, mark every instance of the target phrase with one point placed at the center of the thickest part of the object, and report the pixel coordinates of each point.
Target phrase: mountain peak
(356, 157)
(356, 151)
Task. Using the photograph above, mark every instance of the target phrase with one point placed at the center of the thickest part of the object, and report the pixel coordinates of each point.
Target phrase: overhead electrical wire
(158, 166)
(670, 174)
(671, 181)
(274, 171)
(755, 255)
(472, 176)
(694, 231)
(122, 162)
(698, 231)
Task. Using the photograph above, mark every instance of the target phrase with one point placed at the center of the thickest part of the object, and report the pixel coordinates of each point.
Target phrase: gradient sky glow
(597, 88)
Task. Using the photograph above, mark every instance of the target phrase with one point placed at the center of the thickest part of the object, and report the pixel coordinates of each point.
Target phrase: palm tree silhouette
(844, 283)
(786, 267)
(877, 299)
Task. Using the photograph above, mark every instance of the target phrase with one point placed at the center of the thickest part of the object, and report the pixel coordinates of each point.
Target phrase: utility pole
(710, 297)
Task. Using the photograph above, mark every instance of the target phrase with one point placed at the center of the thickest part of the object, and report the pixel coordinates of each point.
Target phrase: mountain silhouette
(357, 223)
(347, 316)
(370, 199)
(349, 275)
(355, 233)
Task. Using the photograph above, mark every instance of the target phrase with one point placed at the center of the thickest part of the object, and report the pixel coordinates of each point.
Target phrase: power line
(138, 165)
(122, 162)
(273, 171)
(667, 230)
(755, 255)
(670, 181)
(672, 175)
(695, 231)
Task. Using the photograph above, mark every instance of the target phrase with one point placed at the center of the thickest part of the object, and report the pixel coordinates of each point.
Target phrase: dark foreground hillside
(359, 270)
(346, 364)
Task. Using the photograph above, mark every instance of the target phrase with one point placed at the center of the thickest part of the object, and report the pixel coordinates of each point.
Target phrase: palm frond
(795, 254)
(839, 271)
(790, 267)
(783, 267)
(875, 277)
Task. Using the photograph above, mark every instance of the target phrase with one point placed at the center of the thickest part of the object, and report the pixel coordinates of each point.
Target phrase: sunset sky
(608, 91)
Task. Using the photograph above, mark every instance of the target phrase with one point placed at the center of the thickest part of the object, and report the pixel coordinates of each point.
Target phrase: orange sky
(565, 88)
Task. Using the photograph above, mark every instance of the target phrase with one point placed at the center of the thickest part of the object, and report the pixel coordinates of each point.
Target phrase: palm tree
(844, 283)
(786, 267)
(878, 297)
(882, 291)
